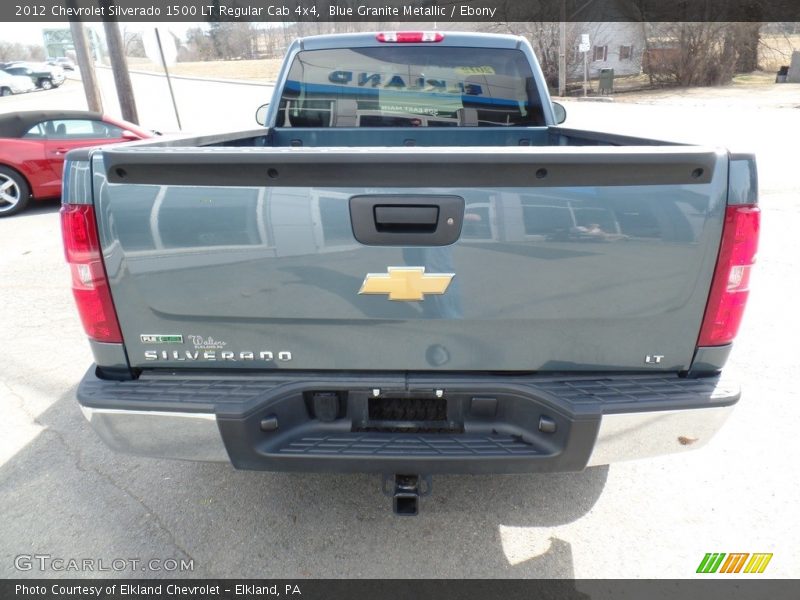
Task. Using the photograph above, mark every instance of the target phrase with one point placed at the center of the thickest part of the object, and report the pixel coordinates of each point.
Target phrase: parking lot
(63, 493)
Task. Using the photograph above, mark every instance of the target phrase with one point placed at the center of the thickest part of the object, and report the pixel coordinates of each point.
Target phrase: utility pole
(119, 66)
(562, 51)
(86, 65)
(585, 73)
(169, 81)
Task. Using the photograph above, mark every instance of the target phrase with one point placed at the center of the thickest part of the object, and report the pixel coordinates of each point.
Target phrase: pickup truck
(411, 269)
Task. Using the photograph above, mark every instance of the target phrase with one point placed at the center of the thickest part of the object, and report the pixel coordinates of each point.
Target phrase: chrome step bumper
(600, 420)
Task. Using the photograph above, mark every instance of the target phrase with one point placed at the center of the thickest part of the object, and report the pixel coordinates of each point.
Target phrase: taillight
(731, 283)
(410, 37)
(89, 281)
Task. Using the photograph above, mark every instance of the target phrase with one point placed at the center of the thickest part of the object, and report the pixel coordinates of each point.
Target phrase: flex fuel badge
(161, 339)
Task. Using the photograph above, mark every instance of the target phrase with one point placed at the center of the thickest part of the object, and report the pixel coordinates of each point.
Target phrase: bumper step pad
(459, 445)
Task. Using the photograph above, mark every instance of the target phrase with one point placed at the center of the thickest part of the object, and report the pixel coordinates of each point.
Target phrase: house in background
(618, 46)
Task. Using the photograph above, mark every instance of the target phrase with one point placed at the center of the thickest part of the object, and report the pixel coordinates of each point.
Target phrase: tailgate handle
(410, 218)
(406, 220)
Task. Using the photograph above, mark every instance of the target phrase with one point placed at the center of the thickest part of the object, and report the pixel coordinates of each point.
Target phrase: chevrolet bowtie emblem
(406, 283)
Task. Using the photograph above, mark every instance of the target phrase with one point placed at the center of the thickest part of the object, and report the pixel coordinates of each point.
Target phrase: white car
(58, 73)
(15, 84)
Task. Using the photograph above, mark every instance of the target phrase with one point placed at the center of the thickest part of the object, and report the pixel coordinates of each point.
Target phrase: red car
(33, 145)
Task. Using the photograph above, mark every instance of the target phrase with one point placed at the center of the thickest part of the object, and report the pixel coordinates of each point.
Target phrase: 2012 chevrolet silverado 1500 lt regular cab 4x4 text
(411, 269)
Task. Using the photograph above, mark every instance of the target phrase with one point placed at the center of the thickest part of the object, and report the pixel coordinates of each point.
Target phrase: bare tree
(199, 45)
(776, 44)
(747, 38)
(691, 54)
(132, 42)
(15, 51)
(544, 37)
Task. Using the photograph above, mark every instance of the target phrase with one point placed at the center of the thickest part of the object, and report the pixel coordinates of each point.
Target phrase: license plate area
(408, 414)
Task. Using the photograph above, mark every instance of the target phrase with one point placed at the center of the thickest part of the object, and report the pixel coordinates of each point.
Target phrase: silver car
(15, 84)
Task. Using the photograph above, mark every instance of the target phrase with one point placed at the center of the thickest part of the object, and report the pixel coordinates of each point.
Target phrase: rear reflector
(410, 37)
(89, 281)
(731, 283)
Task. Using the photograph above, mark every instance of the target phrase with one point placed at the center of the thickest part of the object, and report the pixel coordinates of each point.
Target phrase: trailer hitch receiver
(405, 491)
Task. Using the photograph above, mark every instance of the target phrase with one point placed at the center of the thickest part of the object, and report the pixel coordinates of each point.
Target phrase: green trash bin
(606, 84)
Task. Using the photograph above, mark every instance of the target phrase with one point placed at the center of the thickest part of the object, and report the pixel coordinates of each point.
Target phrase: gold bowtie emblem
(406, 283)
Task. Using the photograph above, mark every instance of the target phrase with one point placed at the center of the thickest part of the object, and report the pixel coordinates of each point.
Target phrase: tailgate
(552, 259)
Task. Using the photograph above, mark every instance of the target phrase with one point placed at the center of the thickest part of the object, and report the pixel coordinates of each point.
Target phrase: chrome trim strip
(181, 435)
(628, 436)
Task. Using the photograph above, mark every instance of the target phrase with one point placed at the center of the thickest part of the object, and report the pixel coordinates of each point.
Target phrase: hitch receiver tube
(406, 491)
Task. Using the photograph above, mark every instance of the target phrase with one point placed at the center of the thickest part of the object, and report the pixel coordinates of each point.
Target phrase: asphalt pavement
(64, 494)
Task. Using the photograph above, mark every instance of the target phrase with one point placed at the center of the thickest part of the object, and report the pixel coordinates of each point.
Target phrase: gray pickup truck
(411, 269)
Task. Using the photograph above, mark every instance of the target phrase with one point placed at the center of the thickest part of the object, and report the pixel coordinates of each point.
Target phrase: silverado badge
(406, 283)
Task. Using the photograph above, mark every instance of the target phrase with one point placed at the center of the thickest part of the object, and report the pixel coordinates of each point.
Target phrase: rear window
(410, 86)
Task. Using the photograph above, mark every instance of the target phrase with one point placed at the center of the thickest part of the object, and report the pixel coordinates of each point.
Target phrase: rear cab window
(410, 86)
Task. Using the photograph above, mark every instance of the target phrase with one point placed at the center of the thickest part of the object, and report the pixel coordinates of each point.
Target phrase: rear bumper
(495, 424)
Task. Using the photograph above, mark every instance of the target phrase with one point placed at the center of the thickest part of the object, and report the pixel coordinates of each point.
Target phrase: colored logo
(406, 283)
(719, 562)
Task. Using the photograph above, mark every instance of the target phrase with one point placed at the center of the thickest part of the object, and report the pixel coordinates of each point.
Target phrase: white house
(618, 46)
